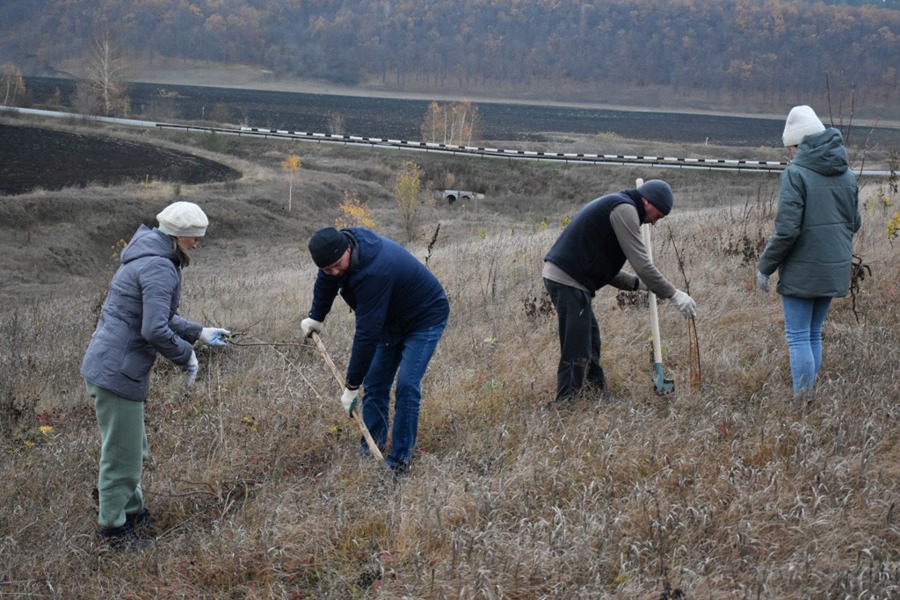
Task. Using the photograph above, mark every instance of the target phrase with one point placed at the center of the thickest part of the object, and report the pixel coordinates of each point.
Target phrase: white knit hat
(183, 219)
(801, 122)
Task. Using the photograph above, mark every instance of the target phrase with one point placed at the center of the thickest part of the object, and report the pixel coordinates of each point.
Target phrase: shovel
(661, 384)
(373, 447)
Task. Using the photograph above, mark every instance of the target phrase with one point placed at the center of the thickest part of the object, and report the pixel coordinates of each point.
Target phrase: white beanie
(183, 219)
(801, 122)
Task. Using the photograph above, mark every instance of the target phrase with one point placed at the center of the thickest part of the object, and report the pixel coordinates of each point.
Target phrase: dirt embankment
(50, 243)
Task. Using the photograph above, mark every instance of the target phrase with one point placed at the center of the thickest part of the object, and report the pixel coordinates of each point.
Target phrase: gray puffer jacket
(818, 213)
(139, 320)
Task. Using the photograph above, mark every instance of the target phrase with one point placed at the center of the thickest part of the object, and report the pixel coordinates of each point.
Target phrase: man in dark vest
(588, 255)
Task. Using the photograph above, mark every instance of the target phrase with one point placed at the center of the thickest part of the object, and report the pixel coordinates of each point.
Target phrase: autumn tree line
(760, 50)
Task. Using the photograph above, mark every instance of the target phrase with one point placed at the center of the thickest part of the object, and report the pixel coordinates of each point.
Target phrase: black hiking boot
(561, 403)
(399, 469)
(123, 538)
(143, 525)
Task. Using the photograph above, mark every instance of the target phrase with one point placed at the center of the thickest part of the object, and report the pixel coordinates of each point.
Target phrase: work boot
(596, 390)
(399, 468)
(804, 399)
(143, 525)
(123, 538)
(561, 402)
(395, 474)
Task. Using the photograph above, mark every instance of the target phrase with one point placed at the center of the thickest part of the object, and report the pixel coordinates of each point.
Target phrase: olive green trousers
(122, 453)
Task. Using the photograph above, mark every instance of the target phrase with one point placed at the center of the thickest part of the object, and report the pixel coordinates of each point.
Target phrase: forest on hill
(767, 52)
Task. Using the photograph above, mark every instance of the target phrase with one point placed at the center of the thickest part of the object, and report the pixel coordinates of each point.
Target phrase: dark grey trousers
(579, 341)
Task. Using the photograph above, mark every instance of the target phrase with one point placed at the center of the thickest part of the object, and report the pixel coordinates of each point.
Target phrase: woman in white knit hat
(139, 319)
(812, 247)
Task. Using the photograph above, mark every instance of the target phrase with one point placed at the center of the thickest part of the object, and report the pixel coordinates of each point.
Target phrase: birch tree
(291, 164)
(103, 89)
(456, 124)
(433, 125)
(12, 84)
(464, 119)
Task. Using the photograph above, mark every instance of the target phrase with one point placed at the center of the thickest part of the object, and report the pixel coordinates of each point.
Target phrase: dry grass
(722, 492)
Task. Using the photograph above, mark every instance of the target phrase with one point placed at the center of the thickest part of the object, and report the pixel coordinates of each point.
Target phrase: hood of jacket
(823, 153)
(365, 244)
(149, 242)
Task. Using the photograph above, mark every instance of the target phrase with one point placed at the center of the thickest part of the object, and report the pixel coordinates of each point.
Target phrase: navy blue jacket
(392, 293)
(587, 249)
(139, 318)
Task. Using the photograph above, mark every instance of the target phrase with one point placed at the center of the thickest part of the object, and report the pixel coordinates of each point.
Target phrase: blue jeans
(803, 320)
(406, 358)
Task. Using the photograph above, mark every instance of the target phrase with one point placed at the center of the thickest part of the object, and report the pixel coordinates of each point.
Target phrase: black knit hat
(658, 193)
(327, 245)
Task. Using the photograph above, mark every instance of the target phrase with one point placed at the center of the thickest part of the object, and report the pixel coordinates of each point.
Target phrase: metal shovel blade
(661, 384)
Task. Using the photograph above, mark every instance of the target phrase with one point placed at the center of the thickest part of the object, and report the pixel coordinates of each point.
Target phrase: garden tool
(357, 416)
(661, 384)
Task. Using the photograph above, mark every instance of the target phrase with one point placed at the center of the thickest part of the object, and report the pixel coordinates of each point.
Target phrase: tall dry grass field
(725, 491)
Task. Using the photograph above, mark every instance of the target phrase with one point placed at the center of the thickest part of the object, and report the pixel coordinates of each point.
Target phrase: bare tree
(455, 124)
(433, 125)
(465, 120)
(291, 164)
(12, 84)
(407, 188)
(103, 89)
(335, 123)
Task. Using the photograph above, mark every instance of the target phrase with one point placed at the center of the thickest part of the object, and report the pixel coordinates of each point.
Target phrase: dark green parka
(818, 213)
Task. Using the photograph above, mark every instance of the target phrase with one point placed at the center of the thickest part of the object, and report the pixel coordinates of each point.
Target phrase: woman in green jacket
(812, 247)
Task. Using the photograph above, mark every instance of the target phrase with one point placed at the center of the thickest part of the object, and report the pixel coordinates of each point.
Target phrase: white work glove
(214, 336)
(685, 304)
(762, 282)
(192, 367)
(308, 325)
(348, 400)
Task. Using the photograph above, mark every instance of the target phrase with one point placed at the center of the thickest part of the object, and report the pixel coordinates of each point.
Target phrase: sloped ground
(33, 157)
(255, 481)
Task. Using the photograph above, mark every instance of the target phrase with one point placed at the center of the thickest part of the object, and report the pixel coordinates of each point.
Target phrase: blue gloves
(762, 282)
(211, 336)
(192, 367)
(348, 400)
(214, 336)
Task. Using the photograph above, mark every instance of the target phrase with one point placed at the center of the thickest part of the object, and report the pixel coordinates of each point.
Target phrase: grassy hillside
(725, 491)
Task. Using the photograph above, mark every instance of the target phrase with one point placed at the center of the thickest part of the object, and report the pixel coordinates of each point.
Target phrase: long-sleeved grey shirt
(626, 226)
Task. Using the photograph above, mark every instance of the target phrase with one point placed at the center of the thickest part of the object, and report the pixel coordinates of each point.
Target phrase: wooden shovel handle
(357, 416)
(654, 311)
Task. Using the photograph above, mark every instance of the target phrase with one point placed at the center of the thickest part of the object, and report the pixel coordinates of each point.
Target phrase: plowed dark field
(31, 157)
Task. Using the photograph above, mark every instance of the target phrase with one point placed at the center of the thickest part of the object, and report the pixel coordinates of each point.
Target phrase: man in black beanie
(401, 312)
(327, 245)
(589, 254)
